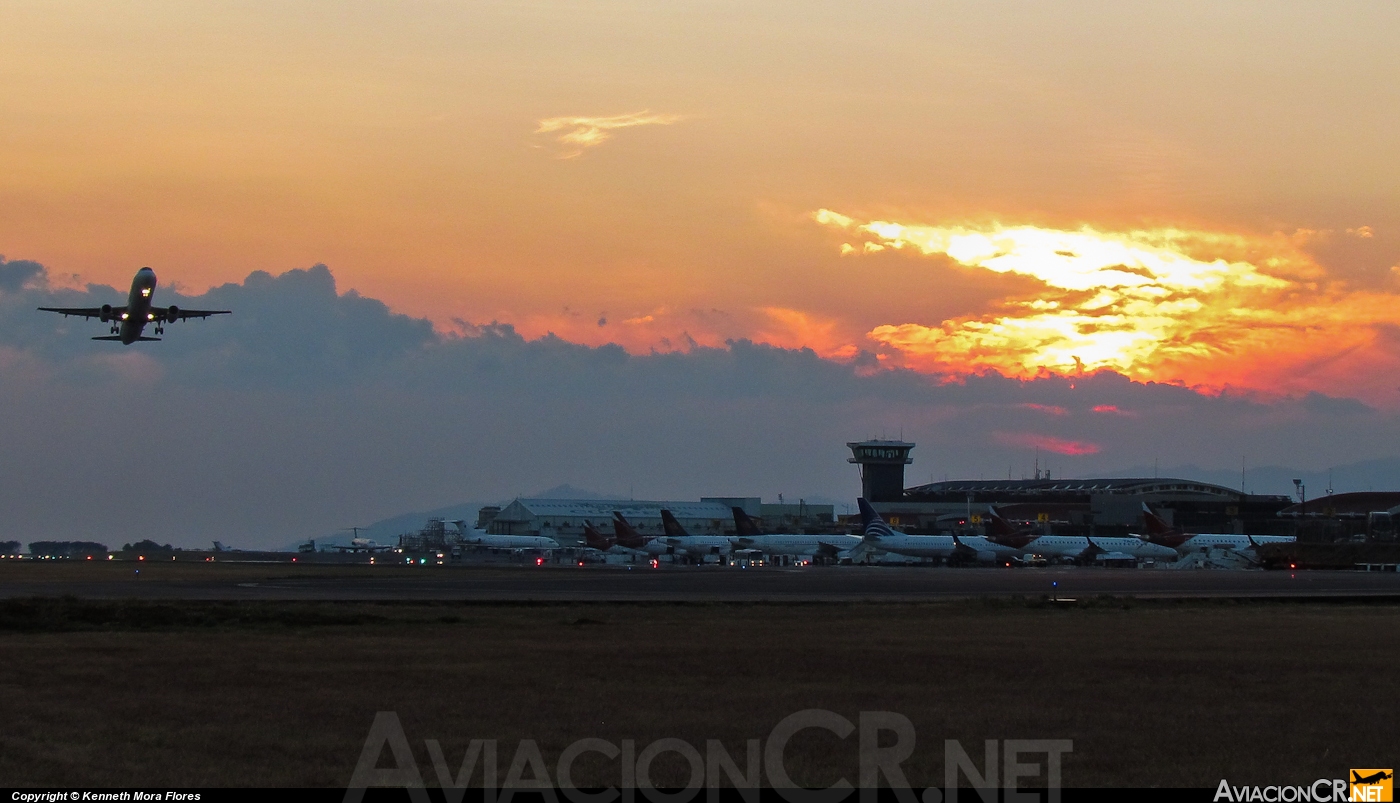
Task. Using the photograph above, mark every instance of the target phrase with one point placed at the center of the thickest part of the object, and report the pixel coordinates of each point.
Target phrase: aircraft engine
(173, 313)
(106, 313)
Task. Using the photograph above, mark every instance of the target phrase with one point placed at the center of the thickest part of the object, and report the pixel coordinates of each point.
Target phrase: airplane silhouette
(1377, 777)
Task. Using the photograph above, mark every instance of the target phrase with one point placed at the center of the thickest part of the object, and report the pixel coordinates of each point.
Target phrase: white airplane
(695, 546)
(748, 535)
(676, 542)
(490, 541)
(129, 321)
(362, 545)
(1073, 547)
(1161, 533)
(880, 538)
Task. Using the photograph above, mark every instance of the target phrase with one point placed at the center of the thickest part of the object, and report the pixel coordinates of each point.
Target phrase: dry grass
(276, 694)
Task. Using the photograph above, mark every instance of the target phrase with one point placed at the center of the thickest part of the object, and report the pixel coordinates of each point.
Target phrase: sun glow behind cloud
(1207, 309)
(580, 133)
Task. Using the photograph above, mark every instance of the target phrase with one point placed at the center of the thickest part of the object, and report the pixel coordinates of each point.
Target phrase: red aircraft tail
(1001, 531)
(595, 539)
(1156, 525)
(626, 536)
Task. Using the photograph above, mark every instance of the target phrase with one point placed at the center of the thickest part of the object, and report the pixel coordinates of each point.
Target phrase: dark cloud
(308, 410)
(1329, 405)
(15, 274)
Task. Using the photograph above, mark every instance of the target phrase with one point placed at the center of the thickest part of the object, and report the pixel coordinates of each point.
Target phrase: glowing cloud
(589, 132)
(1207, 309)
(1048, 409)
(1113, 409)
(1046, 442)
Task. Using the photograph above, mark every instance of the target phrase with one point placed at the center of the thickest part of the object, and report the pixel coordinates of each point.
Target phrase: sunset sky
(1191, 193)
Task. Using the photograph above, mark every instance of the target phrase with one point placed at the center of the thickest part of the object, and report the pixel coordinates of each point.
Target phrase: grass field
(279, 693)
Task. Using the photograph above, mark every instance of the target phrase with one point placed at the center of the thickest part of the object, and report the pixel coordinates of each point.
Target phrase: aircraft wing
(163, 314)
(85, 312)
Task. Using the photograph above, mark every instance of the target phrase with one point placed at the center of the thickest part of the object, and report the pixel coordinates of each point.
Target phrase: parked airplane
(1079, 548)
(492, 541)
(594, 539)
(130, 320)
(362, 545)
(696, 546)
(749, 535)
(1163, 534)
(628, 538)
(878, 538)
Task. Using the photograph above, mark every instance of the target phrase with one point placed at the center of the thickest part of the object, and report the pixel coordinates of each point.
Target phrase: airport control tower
(881, 468)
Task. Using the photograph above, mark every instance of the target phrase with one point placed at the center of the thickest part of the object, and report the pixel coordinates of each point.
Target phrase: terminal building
(1107, 506)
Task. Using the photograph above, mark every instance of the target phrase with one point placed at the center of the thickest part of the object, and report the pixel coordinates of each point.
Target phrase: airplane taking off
(1163, 534)
(1357, 779)
(748, 535)
(130, 320)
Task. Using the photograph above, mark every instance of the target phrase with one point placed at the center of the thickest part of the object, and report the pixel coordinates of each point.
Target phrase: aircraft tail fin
(998, 526)
(672, 528)
(1156, 525)
(870, 522)
(626, 535)
(744, 525)
(595, 539)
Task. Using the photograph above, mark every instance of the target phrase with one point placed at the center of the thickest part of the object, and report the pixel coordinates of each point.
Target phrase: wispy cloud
(580, 133)
(1026, 440)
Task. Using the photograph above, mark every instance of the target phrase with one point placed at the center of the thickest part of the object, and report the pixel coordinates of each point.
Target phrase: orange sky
(654, 175)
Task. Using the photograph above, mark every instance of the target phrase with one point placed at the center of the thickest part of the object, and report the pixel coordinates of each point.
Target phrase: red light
(1292, 565)
(89, 557)
(580, 563)
(539, 561)
(294, 560)
(141, 557)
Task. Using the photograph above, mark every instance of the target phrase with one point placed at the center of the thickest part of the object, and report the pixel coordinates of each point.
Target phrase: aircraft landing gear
(160, 329)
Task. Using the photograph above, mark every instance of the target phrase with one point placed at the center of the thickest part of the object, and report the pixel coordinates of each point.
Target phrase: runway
(669, 584)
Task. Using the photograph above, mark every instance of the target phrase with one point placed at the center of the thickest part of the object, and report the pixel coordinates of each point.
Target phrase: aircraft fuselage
(138, 306)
